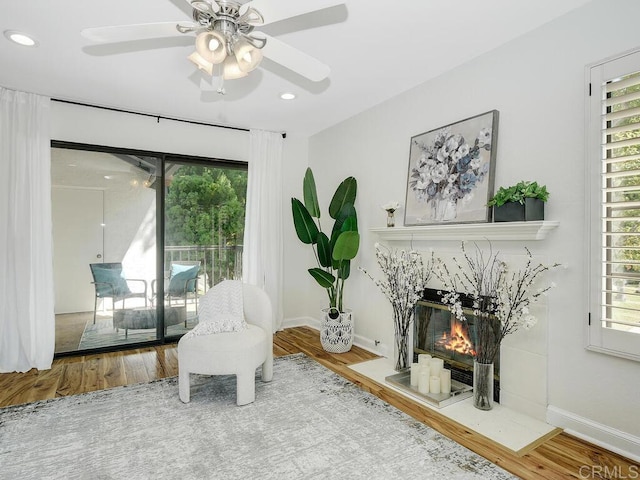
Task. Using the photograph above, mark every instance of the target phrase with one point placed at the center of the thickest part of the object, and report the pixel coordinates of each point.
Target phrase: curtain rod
(157, 117)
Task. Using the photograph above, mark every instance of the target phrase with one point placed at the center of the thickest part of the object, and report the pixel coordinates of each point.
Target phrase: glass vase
(443, 209)
(391, 221)
(402, 352)
(483, 385)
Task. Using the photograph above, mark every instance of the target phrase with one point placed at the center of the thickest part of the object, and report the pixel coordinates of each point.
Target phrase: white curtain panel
(27, 321)
(262, 260)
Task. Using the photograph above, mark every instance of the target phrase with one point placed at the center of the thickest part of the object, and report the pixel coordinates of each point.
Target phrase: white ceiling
(376, 50)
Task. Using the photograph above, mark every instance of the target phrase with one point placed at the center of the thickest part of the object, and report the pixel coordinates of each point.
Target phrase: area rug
(102, 333)
(308, 423)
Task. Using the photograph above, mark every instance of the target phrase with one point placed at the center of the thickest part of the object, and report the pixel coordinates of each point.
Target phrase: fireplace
(440, 334)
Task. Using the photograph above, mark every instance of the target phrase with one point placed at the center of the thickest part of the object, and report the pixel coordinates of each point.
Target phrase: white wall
(74, 123)
(537, 84)
(297, 282)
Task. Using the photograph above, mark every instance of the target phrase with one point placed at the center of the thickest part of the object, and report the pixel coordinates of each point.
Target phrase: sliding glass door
(104, 207)
(139, 238)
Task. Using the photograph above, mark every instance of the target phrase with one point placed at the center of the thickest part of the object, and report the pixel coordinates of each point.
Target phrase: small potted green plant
(521, 202)
(333, 254)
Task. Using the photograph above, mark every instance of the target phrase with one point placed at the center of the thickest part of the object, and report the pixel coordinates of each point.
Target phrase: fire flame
(457, 340)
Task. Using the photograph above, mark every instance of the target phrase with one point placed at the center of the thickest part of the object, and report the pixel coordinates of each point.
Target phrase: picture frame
(451, 172)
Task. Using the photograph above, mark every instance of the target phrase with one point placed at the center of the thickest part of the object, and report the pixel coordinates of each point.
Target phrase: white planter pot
(336, 334)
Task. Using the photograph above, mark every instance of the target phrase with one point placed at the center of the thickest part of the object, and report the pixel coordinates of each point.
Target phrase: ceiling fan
(226, 44)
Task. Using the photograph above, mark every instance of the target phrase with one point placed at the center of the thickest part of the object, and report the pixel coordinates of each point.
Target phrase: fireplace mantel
(470, 231)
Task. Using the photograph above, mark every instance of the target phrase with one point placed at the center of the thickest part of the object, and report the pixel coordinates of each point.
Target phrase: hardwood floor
(560, 457)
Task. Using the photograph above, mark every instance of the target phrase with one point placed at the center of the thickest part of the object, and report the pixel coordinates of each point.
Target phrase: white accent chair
(232, 353)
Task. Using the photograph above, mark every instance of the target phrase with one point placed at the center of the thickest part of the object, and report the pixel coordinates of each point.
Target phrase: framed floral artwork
(451, 172)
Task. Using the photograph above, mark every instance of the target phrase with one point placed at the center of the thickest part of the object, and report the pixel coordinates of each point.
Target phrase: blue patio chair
(109, 282)
(182, 284)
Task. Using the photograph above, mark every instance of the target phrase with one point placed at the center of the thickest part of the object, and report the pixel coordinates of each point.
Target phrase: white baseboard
(612, 439)
(371, 345)
(362, 342)
(300, 322)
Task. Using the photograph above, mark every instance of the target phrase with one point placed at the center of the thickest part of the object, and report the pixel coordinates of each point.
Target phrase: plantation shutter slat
(622, 143)
(619, 205)
(624, 188)
(609, 102)
(620, 114)
(620, 222)
(619, 322)
(623, 128)
(620, 84)
(626, 158)
(623, 173)
(622, 248)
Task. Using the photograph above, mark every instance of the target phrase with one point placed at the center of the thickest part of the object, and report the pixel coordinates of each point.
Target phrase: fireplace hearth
(440, 334)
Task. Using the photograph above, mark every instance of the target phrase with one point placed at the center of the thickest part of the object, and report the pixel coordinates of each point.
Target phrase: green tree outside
(205, 207)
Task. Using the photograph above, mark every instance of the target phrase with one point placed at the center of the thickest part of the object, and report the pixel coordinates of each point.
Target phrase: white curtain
(27, 321)
(262, 259)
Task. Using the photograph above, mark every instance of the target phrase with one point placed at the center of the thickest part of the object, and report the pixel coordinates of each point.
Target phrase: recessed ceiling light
(288, 96)
(107, 177)
(20, 38)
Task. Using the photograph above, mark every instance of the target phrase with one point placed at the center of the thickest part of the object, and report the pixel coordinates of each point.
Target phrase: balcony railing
(217, 262)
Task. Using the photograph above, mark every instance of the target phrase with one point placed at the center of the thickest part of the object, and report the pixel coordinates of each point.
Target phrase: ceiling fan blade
(294, 59)
(210, 8)
(276, 10)
(140, 31)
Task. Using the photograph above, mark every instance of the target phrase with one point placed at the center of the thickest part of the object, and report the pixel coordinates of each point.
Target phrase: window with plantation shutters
(613, 141)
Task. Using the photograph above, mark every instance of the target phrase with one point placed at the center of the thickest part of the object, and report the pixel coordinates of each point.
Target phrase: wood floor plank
(560, 457)
(278, 351)
(46, 384)
(578, 457)
(16, 390)
(153, 367)
(134, 368)
(113, 370)
(70, 379)
(92, 373)
(168, 358)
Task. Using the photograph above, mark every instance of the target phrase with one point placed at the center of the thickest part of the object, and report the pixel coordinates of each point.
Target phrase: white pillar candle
(445, 381)
(436, 365)
(434, 384)
(423, 380)
(415, 368)
(424, 359)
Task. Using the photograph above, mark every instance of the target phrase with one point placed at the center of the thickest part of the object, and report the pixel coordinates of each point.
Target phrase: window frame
(599, 338)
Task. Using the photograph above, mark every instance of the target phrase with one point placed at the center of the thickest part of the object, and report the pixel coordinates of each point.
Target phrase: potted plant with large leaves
(333, 254)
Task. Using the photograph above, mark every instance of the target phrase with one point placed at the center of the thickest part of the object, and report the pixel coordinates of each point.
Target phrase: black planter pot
(532, 210)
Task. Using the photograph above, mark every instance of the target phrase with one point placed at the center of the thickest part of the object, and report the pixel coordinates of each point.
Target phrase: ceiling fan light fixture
(247, 56)
(212, 47)
(231, 70)
(201, 63)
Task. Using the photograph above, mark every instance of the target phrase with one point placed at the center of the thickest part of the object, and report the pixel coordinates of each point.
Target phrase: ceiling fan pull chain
(221, 89)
